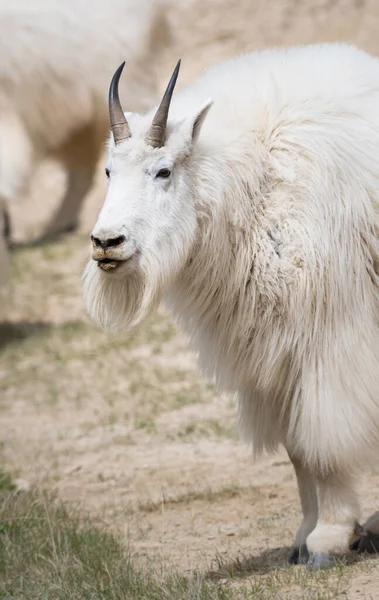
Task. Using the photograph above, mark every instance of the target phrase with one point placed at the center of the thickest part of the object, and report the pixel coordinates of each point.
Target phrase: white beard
(119, 302)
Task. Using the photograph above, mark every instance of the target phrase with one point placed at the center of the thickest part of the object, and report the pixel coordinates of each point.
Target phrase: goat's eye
(164, 173)
(107, 172)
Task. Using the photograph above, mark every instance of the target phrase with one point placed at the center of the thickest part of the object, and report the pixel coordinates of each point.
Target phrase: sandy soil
(124, 425)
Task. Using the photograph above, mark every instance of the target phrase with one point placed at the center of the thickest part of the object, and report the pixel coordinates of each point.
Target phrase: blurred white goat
(55, 61)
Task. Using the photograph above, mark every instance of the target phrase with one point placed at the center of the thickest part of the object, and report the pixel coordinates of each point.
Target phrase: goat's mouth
(109, 264)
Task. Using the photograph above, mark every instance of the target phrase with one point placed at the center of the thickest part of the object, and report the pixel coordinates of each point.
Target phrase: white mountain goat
(55, 62)
(255, 219)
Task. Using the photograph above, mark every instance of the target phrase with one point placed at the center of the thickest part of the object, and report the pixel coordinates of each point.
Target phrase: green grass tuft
(49, 552)
(6, 482)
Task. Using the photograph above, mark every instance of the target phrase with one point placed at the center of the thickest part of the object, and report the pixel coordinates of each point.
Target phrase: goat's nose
(108, 242)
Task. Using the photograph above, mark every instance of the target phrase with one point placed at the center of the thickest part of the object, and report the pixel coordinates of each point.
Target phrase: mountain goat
(255, 217)
(54, 67)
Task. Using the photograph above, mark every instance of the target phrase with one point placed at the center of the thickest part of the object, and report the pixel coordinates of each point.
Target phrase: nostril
(96, 241)
(117, 241)
(108, 243)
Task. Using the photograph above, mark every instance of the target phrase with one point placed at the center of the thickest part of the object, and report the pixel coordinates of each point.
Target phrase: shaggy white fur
(263, 244)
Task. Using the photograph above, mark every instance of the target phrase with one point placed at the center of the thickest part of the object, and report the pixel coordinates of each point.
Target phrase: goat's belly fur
(312, 388)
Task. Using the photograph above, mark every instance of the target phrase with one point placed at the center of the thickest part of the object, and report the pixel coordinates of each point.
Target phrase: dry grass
(50, 552)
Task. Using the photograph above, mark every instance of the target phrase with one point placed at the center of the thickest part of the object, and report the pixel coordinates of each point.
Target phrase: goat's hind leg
(308, 497)
(368, 535)
(338, 514)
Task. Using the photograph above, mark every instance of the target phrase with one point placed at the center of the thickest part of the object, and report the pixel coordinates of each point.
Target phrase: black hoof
(320, 560)
(355, 545)
(369, 543)
(299, 555)
(7, 227)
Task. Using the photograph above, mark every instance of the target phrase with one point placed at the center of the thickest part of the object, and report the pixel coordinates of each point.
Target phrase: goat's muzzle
(105, 260)
(110, 253)
(107, 264)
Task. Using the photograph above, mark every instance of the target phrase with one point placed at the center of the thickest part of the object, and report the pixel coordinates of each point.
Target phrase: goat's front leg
(79, 155)
(308, 498)
(338, 514)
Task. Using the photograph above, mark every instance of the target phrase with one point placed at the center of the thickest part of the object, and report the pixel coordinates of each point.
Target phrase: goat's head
(148, 223)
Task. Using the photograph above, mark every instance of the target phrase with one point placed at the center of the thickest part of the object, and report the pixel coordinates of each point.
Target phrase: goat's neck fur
(233, 269)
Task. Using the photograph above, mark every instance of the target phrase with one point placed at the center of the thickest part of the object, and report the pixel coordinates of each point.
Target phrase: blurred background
(150, 35)
(123, 425)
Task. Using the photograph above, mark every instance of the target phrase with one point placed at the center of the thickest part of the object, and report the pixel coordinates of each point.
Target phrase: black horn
(119, 124)
(157, 131)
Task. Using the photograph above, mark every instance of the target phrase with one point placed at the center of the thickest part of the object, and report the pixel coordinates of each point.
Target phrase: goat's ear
(198, 119)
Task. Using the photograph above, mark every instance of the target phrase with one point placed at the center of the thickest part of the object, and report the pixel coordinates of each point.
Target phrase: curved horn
(157, 131)
(119, 124)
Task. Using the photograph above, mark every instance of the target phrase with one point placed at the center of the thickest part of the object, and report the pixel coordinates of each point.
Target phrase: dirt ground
(123, 424)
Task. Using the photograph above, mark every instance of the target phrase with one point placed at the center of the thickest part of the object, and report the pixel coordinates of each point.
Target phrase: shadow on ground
(244, 566)
(269, 560)
(14, 332)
